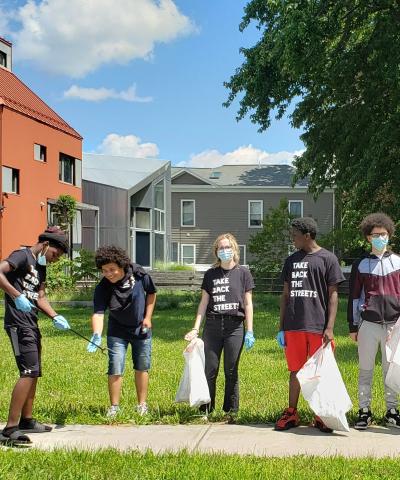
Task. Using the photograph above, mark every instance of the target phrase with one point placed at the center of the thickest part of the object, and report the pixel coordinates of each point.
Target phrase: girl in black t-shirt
(227, 304)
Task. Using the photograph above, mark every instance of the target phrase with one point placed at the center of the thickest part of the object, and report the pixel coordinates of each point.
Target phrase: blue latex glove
(61, 323)
(23, 304)
(249, 340)
(96, 338)
(280, 338)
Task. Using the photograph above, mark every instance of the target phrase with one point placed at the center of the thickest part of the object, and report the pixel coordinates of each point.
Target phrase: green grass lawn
(113, 465)
(74, 386)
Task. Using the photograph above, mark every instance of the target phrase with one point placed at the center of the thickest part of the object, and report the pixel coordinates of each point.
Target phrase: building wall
(218, 212)
(25, 215)
(113, 204)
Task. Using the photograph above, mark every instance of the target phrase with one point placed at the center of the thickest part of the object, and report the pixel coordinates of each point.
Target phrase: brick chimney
(5, 54)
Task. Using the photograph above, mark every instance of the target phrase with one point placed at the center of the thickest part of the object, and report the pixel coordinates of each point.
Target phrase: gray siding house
(134, 200)
(234, 198)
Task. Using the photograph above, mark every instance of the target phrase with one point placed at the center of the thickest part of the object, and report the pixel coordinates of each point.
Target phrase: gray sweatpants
(370, 337)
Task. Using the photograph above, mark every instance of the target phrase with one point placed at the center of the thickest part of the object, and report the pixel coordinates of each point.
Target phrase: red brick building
(40, 159)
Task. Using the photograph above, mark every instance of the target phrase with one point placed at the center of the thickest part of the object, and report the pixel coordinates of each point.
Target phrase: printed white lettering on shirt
(300, 270)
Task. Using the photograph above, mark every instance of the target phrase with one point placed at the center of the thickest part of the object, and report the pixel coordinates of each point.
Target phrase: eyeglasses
(377, 235)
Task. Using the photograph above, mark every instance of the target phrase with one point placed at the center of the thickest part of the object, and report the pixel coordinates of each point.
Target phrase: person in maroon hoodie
(373, 309)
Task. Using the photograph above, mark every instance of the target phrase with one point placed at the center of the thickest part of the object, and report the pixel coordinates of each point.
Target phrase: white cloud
(242, 155)
(127, 146)
(102, 93)
(75, 37)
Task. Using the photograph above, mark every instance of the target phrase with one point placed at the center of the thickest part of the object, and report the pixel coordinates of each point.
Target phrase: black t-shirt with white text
(126, 302)
(309, 275)
(26, 276)
(227, 289)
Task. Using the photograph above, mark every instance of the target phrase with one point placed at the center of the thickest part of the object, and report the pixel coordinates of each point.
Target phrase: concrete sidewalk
(259, 440)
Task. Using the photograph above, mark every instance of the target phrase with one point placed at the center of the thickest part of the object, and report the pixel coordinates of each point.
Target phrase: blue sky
(143, 78)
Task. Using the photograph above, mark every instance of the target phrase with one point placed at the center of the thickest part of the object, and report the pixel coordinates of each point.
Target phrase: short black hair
(112, 254)
(305, 225)
(378, 219)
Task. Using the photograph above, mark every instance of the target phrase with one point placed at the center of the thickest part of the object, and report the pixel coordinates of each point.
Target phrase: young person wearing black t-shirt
(226, 302)
(129, 294)
(308, 309)
(22, 277)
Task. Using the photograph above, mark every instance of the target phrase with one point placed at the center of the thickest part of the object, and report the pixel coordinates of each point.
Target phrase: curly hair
(305, 225)
(234, 246)
(112, 254)
(377, 220)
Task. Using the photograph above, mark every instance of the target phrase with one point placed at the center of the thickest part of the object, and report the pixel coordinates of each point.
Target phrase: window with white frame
(159, 209)
(142, 218)
(188, 254)
(255, 213)
(10, 181)
(296, 208)
(242, 250)
(3, 59)
(39, 152)
(188, 213)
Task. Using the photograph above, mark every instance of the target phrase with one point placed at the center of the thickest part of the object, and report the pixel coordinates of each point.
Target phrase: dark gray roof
(246, 175)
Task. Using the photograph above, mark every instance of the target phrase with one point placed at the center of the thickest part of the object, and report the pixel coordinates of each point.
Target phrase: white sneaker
(142, 409)
(112, 411)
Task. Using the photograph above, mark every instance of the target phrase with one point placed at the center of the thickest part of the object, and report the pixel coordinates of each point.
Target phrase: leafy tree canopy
(338, 62)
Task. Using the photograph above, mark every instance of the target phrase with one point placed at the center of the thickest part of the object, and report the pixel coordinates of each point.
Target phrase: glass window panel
(159, 195)
(174, 252)
(295, 209)
(143, 218)
(159, 247)
(188, 254)
(188, 213)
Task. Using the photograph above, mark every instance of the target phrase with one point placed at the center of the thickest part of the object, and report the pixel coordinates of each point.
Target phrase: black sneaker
(364, 419)
(392, 418)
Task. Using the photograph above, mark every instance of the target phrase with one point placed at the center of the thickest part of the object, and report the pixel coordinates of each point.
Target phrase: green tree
(333, 66)
(64, 211)
(269, 247)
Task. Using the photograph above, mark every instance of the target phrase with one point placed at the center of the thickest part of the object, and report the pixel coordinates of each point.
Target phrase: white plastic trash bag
(193, 387)
(393, 357)
(323, 388)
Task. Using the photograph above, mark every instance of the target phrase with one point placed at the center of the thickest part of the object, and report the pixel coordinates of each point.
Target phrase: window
(188, 254)
(188, 213)
(255, 213)
(3, 59)
(242, 250)
(158, 247)
(159, 210)
(142, 219)
(39, 152)
(296, 208)
(70, 170)
(175, 252)
(215, 175)
(10, 180)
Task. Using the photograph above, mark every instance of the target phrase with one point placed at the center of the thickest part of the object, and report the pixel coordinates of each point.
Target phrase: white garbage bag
(393, 357)
(323, 388)
(193, 387)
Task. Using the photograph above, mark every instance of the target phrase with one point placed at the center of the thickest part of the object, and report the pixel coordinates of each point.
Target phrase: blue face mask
(41, 259)
(225, 255)
(379, 243)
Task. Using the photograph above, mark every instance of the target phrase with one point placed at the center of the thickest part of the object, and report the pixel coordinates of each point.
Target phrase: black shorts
(27, 349)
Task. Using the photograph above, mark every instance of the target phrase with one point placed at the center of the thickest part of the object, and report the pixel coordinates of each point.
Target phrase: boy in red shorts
(308, 309)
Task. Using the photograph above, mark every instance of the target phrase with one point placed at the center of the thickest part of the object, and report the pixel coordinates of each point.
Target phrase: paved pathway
(241, 439)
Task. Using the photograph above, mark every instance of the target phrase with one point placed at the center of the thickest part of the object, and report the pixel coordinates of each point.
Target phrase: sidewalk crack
(196, 446)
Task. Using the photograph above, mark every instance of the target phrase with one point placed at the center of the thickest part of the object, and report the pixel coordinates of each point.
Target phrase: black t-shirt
(226, 289)
(126, 302)
(308, 276)
(26, 276)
